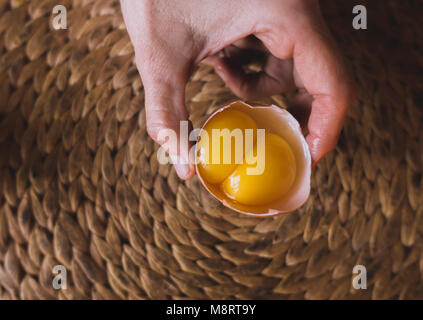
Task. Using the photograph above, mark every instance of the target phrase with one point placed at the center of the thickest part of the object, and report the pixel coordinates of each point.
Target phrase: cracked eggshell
(282, 123)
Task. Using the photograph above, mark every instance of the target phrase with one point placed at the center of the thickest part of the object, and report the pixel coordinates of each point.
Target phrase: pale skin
(301, 58)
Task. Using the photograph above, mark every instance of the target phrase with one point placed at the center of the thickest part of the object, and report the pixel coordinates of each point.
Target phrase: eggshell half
(282, 123)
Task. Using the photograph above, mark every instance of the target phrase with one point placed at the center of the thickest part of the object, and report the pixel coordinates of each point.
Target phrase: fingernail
(183, 170)
(183, 167)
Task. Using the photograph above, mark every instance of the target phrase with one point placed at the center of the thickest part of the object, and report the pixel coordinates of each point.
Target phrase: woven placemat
(80, 185)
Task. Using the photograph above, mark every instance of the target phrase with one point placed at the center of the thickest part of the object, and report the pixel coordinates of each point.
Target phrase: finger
(243, 56)
(238, 56)
(251, 85)
(164, 86)
(245, 86)
(300, 107)
(323, 74)
(250, 42)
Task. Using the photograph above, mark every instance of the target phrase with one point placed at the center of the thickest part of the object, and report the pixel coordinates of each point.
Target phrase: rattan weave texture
(80, 184)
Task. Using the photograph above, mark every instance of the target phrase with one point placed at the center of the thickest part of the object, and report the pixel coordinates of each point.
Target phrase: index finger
(321, 70)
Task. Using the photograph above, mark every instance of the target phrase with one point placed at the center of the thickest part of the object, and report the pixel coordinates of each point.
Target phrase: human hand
(170, 41)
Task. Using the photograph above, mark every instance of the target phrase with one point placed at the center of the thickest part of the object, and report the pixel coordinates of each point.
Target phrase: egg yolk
(216, 169)
(276, 179)
(235, 178)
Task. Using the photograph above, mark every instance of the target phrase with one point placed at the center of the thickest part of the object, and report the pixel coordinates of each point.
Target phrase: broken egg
(254, 159)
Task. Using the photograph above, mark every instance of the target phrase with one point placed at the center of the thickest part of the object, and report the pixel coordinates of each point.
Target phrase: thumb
(167, 118)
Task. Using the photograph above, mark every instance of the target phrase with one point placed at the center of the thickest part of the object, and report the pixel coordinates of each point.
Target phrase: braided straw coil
(80, 185)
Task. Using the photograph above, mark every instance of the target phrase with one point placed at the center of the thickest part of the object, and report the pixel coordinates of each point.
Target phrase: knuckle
(160, 126)
(153, 131)
(244, 91)
(243, 95)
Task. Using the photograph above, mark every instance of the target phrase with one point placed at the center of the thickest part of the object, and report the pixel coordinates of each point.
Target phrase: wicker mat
(80, 185)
